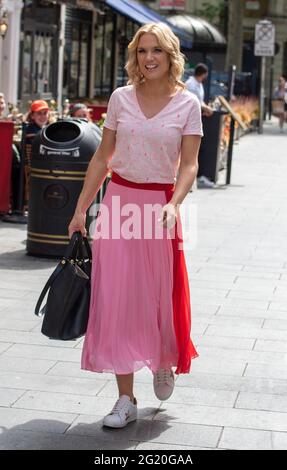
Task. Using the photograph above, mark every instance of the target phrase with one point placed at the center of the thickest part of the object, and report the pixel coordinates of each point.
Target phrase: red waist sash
(180, 294)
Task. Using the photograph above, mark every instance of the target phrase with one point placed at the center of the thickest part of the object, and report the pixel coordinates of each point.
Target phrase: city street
(236, 395)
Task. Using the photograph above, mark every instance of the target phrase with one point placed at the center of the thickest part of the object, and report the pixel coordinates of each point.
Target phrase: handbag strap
(47, 286)
(88, 248)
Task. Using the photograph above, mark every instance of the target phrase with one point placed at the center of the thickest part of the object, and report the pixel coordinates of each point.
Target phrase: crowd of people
(38, 116)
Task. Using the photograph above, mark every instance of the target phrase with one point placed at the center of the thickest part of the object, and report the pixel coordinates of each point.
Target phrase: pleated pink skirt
(131, 311)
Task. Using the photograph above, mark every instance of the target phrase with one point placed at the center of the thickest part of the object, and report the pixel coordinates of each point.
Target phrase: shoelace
(163, 375)
(117, 407)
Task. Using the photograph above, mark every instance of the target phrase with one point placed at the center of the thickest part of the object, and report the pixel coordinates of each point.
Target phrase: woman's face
(41, 117)
(153, 60)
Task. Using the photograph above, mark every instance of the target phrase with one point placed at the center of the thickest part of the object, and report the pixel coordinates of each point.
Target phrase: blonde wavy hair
(168, 42)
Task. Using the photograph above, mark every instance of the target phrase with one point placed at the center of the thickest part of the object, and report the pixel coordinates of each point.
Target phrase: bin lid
(63, 131)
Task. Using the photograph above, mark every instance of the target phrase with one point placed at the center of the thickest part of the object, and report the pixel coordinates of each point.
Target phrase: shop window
(42, 66)
(77, 55)
(113, 33)
(37, 56)
(27, 64)
(84, 59)
(126, 31)
(104, 55)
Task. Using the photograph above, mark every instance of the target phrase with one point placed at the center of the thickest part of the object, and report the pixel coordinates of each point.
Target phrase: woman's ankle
(131, 396)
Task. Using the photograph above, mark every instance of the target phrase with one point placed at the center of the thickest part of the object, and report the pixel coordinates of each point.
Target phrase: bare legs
(125, 385)
(281, 120)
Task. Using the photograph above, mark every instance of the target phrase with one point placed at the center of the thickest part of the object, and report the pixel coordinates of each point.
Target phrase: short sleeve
(111, 121)
(193, 125)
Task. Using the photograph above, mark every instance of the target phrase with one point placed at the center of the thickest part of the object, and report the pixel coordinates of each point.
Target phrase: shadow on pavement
(19, 260)
(51, 434)
(5, 225)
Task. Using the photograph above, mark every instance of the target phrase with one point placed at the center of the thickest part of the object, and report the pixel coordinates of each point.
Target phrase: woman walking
(280, 94)
(140, 306)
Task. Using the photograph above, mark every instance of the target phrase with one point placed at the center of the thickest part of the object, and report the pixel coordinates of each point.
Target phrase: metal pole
(262, 94)
(61, 59)
(230, 151)
(207, 84)
(231, 81)
(271, 87)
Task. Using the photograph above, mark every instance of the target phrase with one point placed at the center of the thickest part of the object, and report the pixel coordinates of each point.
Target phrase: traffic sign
(264, 38)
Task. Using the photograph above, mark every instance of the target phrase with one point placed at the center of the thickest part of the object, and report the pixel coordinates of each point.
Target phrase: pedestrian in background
(140, 305)
(195, 85)
(2, 107)
(280, 95)
(80, 110)
(37, 118)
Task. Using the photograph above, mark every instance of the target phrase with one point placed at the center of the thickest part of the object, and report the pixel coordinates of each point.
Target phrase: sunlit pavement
(236, 395)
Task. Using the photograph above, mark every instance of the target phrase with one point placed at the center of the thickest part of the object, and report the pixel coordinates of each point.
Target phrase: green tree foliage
(214, 14)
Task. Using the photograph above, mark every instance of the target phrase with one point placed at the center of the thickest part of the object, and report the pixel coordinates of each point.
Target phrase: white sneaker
(204, 182)
(163, 383)
(122, 413)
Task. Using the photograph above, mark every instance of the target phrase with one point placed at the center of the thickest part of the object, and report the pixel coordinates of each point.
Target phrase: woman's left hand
(169, 216)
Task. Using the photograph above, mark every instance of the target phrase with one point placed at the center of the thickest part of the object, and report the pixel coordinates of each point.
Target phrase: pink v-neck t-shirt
(147, 150)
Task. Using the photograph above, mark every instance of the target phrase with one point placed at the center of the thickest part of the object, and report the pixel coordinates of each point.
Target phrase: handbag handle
(82, 249)
(75, 248)
(72, 248)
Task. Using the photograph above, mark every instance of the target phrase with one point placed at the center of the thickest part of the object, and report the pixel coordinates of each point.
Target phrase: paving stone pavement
(236, 395)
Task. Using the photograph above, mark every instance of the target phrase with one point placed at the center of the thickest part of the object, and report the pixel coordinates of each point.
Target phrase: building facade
(253, 11)
(76, 49)
(10, 50)
(71, 49)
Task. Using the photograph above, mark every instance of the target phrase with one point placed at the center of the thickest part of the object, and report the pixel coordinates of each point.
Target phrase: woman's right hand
(77, 224)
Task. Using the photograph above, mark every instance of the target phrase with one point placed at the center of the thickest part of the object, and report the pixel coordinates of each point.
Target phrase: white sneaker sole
(119, 426)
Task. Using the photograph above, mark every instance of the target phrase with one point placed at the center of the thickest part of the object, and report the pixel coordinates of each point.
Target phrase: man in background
(195, 85)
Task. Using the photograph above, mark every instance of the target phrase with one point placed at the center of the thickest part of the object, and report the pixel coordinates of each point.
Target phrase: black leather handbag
(67, 308)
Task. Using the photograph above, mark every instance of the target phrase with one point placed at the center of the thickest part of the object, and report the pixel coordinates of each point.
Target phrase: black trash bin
(209, 152)
(60, 156)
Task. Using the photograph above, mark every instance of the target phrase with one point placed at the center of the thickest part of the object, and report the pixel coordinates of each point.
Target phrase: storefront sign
(256, 9)
(252, 5)
(172, 4)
